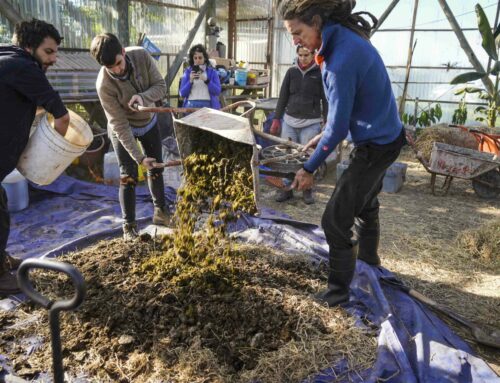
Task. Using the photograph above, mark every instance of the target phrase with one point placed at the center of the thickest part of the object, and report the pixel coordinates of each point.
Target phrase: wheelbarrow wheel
(487, 185)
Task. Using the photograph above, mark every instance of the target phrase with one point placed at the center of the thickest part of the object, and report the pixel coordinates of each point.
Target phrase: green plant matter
(426, 118)
(218, 177)
(491, 45)
(460, 114)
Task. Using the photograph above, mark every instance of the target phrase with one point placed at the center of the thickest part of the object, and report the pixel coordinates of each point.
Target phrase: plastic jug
(111, 169)
(16, 187)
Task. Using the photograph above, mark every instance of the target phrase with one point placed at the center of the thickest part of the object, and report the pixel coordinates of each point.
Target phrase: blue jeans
(300, 135)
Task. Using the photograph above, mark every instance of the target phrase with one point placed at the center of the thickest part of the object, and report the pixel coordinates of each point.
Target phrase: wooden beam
(10, 12)
(231, 29)
(172, 71)
(270, 46)
(465, 45)
(161, 4)
(123, 16)
(411, 49)
(384, 15)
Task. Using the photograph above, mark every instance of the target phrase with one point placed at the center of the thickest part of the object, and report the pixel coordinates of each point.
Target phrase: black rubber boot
(368, 240)
(283, 195)
(8, 281)
(342, 266)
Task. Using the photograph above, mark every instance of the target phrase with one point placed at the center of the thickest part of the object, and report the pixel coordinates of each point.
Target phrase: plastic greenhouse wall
(437, 58)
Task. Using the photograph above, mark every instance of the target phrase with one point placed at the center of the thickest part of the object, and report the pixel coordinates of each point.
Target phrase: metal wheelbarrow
(237, 128)
(451, 161)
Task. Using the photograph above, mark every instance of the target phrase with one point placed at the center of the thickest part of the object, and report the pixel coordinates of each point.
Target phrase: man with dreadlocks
(360, 102)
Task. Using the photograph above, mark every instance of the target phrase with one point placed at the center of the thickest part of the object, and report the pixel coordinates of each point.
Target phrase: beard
(44, 65)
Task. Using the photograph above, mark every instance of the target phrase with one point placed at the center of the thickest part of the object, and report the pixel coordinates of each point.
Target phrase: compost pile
(439, 133)
(192, 307)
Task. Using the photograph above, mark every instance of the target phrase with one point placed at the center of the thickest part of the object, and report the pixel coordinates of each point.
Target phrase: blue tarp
(414, 345)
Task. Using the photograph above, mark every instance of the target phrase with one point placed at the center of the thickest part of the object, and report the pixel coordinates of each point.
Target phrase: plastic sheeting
(414, 345)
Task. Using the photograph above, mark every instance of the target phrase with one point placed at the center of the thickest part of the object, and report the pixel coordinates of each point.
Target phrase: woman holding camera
(200, 84)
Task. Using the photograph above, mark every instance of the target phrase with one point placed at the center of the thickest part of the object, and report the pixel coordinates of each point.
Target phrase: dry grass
(420, 242)
(440, 133)
(483, 243)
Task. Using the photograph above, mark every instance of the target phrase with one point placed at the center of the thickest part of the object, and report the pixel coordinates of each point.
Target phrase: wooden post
(270, 47)
(172, 71)
(411, 47)
(10, 13)
(465, 45)
(231, 30)
(384, 16)
(123, 16)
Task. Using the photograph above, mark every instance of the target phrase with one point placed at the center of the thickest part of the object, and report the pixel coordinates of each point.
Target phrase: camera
(196, 69)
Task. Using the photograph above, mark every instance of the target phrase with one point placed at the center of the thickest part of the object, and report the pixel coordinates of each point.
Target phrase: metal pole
(384, 16)
(465, 45)
(411, 48)
(172, 71)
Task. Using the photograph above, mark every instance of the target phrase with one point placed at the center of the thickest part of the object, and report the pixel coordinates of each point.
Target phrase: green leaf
(479, 109)
(439, 112)
(496, 69)
(485, 29)
(459, 92)
(497, 36)
(471, 89)
(466, 77)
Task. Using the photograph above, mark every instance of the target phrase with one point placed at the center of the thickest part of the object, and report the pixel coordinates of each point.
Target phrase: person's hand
(275, 127)
(193, 76)
(313, 142)
(135, 99)
(204, 76)
(303, 180)
(148, 163)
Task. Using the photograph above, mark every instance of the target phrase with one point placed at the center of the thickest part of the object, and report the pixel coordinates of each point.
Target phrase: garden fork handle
(54, 307)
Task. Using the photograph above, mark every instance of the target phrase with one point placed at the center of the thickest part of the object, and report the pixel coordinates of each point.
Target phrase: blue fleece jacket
(213, 84)
(359, 93)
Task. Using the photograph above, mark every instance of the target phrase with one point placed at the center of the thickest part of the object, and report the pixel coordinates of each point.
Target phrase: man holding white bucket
(24, 87)
(127, 77)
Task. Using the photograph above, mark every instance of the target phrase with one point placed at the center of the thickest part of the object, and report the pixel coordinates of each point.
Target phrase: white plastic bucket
(48, 153)
(16, 187)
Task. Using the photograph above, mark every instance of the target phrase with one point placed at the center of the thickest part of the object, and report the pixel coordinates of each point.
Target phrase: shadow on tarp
(414, 345)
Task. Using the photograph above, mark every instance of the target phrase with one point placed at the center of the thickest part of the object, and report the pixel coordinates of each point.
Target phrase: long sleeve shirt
(115, 94)
(23, 87)
(359, 93)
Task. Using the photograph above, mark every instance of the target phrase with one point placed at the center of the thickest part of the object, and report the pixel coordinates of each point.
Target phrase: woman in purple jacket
(200, 84)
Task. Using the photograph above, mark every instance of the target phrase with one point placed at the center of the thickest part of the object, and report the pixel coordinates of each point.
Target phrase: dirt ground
(252, 321)
(133, 330)
(419, 243)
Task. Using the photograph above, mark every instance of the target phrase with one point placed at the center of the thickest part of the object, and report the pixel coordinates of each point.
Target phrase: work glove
(275, 127)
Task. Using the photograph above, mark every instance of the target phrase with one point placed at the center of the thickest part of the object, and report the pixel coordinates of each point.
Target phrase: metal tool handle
(45, 264)
(53, 306)
(249, 104)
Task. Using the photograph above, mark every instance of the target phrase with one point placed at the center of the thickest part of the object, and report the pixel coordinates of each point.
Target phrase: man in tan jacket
(127, 77)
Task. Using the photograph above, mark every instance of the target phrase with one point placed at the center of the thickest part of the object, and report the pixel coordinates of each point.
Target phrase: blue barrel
(240, 77)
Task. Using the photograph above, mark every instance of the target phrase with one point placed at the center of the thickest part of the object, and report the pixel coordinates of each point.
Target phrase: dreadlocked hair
(339, 11)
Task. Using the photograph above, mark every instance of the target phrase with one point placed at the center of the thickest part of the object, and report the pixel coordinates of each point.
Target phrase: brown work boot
(8, 281)
(130, 232)
(162, 216)
(307, 195)
(11, 262)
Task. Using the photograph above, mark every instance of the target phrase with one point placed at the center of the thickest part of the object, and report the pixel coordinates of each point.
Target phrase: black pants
(151, 145)
(4, 223)
(355, 195)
